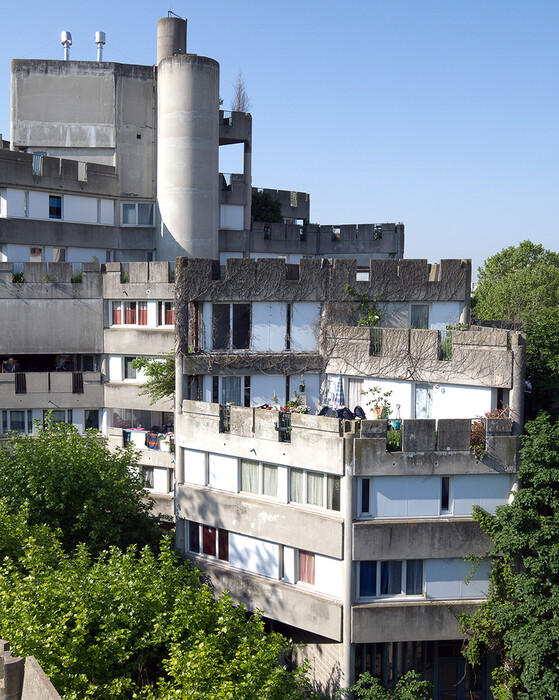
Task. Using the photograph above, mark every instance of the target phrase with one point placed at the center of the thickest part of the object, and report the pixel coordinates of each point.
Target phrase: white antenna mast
(100, 40)
(66, 41)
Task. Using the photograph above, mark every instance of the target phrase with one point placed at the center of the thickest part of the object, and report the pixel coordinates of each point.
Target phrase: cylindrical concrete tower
(171, 37)
(187, 156)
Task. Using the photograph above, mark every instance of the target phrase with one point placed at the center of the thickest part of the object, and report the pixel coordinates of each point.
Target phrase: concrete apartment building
(350, 535)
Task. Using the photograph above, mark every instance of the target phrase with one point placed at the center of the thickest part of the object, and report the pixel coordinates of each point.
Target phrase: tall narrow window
(414, 576)
(142, 313)
(117, 313)
(231, 390)
(169, 313)
(221, 326)
(208, 540)
(367, 578)
(55, 207)
(247, 391)
(193, 537)
(333, 492)
(365, 496)
(130, 312)
(306, 567)
(223, 545)
(270, 480)
(296, 485)
(419, 316)
(241, 326)
(390, 577)
(445, 494)
(249, 476)
(129, 369)
(315, 489)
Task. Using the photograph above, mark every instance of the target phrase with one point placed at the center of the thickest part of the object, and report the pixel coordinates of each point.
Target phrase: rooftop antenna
(66, 41)
(170, 13)
(100, 40)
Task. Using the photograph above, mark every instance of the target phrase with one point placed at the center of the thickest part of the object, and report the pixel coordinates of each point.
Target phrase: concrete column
(247, 170)
(171, 37)
(347, 582)
(179, 396)
(187, 157)
(518, 346)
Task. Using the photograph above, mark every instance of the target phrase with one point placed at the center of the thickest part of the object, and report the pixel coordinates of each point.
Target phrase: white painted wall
(232, 216)
(328, 576)
(223, 473)
(79, 209)
(253, 555)
(443, 314)
(402, 496)
(194, 466)
(264, 386)
(305, 319)
(269, 326)
(39, 205)
(485, 490)
(107, 212)
(283, 484)
(289, 555)
(115, 368)
(452, 401)
(445, 578)
(160, 483)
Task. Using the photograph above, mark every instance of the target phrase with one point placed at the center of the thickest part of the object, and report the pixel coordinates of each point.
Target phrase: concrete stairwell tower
(188, 146)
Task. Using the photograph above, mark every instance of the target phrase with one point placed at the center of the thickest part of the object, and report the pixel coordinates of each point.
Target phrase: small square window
(129, 370)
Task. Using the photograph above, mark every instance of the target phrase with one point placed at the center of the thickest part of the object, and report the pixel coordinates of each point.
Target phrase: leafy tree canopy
(522, 284)
(266, 208)
(74, 483)
(135, 625)
(519, 619)
(160, 376)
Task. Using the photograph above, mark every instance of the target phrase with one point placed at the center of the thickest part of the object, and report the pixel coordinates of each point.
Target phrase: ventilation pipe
(66, 41)
(100, 40)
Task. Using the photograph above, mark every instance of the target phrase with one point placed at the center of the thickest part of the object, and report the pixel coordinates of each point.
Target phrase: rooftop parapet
(322, 280)
(422, 446)
(59, 174)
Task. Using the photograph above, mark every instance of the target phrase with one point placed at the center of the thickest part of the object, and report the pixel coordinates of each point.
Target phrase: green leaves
(160, 376)
(520, 619)
(74, 483)
(409, 687)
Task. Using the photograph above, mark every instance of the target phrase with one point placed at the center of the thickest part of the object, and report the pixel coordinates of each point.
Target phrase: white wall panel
(253, 555)
(107, 212)
(452, 401)
(194, 467)
(485, 490)
(115, 368)
(223, 473)
(445, 578)
(283, 484)
(399, 496)
(38, 205)
(17, 253)
(443, 314)
(289, 555)
(232, 216)
(269, 326)
(305, 320)
(15, 200)
(79, 209)
(263, 387)
(328, 576)
(160, 481)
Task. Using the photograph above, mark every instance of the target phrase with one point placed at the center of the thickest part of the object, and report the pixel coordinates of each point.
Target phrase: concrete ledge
(279, 601)
(407, 622)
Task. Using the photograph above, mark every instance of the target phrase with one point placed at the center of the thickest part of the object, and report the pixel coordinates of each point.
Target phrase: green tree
(136, 625)
(519, 620)
(409, 687)
(522, 284)
(74, 483)
(160, 376)
(266, 208)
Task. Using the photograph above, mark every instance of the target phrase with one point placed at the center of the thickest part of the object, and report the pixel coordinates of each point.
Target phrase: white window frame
(403, 581)
(161, 312)
(6, 420)
(260, 491)
(305, 503)
(371, 513)
(121, 306)
(136, 206)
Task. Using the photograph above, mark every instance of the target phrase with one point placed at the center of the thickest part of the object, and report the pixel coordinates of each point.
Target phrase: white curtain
(296, 485)
(315, 489)
(231, 390)
(249, 476)
(270, 480)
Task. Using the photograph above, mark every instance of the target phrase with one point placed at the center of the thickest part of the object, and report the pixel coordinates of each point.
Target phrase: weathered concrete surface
(408, 622)
(279, 601)
(419, 539)
(275, 522)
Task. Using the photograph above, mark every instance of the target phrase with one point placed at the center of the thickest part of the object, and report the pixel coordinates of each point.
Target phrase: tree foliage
(522, 284)
(409, 687)
(519, 621)
(266, 208)
(74, 483)
(160, 376)
(134, 625)
(241, 100)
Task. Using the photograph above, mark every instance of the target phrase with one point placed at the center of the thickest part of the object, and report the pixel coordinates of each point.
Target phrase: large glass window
(55, 207)
(390, 578)
(419, 316)
(230, 326)
(314, 488)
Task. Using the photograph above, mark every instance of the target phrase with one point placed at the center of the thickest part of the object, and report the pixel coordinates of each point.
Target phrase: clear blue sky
(442, 114)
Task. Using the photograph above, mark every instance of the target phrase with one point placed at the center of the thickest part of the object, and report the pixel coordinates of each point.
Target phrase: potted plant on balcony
(378, 401)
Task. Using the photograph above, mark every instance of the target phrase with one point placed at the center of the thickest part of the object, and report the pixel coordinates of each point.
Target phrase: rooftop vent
(66, 41)
(100, 40)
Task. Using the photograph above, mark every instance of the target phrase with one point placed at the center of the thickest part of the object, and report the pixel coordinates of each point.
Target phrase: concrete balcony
(407, 621)
(64, 389)
(280, 601)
